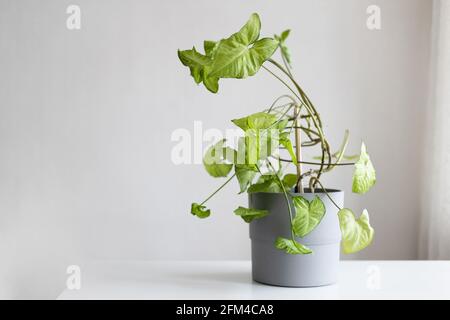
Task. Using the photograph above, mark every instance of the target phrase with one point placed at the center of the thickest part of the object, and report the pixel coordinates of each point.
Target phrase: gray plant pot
(275, 267)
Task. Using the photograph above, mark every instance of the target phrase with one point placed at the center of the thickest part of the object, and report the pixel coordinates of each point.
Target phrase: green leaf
(285, 34)
(200, 211)
(282, 124)
(308, 215)
(364, 176)
(259, 120)
(245, 175)
(267, 184)
(214, 160)
(241, 55)
(260, 140)
(241, 123)
(356, 233)
(284, 49)
(250, 214)
(290, 180)
(291, 246)
(286, 142)
(261, 143)
(352, 157)
(200, 68)
(195, 61)
(211, 83)
(209, 47)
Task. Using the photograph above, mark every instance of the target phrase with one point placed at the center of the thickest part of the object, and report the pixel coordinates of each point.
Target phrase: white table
(232, 280)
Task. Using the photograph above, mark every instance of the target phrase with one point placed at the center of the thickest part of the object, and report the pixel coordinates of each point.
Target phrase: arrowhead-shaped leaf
(356, 233)
(260, 140)
(259, 120)
(291, 246)
(200, 67)
(267, 183)
(195, 61)
(308, 215)
(209, 47)
(200, 211)
(214, 160)
(250, 214)
(245, 175)
(284, 49)
(364, 176)
(242, 54)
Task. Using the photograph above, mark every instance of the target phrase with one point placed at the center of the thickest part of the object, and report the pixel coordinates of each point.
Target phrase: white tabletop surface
(232, 280)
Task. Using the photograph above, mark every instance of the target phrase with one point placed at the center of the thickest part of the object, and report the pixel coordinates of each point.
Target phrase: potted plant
(296, 224)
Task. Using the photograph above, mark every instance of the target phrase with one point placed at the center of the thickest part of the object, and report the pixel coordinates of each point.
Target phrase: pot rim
(306, 191)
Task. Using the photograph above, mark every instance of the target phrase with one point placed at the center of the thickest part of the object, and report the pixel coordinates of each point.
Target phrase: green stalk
(311, 109)
(326, 193)
(220, 188)
(288, 203)
(298, 151)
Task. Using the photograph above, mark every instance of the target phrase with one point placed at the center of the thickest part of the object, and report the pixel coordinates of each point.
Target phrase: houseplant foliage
(291, 123)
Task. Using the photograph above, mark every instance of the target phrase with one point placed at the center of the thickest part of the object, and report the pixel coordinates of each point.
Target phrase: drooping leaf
(200, 68)
(195, 61)
(286, 142)
(356, 233)
(308, 215)
(364, 176)
(211, 83)
(248, 215)
(245, 175)
(291, 246)
(241, 55)
(200, 211)
(290, 180)
(268, 184)
(214, 160)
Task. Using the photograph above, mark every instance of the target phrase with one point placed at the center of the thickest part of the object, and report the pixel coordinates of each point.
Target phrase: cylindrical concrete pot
(275, 267)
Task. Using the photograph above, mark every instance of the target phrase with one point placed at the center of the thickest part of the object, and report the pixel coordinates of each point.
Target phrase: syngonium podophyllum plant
(290, 123)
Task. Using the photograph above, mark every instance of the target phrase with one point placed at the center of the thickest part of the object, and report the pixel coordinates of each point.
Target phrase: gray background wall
(86, 118)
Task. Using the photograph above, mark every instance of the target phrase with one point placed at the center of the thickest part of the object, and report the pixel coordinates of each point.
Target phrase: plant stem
(312, 110)
(278, 99)
(288, 203)
(220, 188)
(327, 194)
(318, 163)
(298, 150)
(283, 82)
